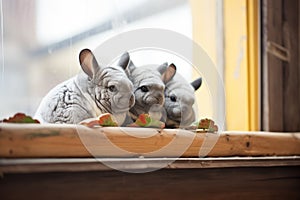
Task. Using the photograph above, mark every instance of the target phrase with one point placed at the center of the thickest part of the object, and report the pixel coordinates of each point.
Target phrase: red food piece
(105, 119)
(142, 118)
(145, 120)
(20, 118)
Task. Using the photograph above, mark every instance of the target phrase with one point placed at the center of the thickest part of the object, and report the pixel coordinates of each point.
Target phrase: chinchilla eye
(173, 98)
(112, 88)
(144, 89)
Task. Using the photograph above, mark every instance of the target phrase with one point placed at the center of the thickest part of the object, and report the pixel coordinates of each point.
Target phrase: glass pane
(41, 39)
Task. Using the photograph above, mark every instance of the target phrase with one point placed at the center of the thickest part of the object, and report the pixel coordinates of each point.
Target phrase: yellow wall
(204, 19)
(240, 21)
(235, 34)
(253, 64)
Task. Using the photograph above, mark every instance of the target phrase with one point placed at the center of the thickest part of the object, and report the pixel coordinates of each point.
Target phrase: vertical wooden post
(272, 67)
(281, 104)
(291, 79)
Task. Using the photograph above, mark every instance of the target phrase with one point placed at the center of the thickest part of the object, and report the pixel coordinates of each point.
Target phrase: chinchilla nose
(155, 100)
(160, 98)
(177, 111)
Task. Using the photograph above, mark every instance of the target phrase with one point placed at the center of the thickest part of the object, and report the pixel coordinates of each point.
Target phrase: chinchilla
(149, 85)
(179, 101)
(94, 91)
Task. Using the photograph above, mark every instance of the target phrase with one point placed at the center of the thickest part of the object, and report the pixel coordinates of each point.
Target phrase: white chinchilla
(96, 91)
(179, 101)
(149, 85)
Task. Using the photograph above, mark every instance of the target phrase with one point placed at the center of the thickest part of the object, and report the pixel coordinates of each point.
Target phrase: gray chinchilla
(94, 91)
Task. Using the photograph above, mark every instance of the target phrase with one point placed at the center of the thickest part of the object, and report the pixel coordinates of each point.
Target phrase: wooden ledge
(92, 164)
(65, 141)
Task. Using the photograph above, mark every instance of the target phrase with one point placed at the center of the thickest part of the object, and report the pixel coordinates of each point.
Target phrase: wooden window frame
(280, 65)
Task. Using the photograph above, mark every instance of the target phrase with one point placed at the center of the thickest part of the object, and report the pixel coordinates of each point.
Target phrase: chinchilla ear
(197, 83)
(88, 62)
(169, 73)
(162, 68)
(125, 62)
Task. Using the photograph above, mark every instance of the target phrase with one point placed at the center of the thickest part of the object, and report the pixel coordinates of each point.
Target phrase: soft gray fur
(98, 90)
(179, 101)
(149, 85)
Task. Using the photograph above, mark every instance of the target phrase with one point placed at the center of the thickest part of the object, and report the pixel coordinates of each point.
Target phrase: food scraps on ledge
(20, 118)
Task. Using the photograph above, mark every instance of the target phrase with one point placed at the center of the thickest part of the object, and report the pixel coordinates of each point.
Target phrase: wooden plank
(34, 140)
(291, 79)
(92, 164)
(228, 183)
(272, 67)
(281, 65)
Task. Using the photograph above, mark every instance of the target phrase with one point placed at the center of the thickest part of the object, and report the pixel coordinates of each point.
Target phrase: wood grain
(281, 80)
(42, 141)
(220, 183)
(272, 67)
(291, 78)
(41, 165)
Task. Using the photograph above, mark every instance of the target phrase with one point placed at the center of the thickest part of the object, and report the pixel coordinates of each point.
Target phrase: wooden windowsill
(91, 164)
(71, 141)
(51, 161)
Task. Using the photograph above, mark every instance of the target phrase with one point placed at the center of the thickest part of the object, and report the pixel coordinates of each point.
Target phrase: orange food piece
(105, 119)
(145, 120)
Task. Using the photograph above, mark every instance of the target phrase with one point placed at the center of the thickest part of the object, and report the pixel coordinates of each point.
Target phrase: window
(42, 38)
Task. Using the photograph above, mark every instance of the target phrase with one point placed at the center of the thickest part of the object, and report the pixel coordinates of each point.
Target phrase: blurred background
(41, 39)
